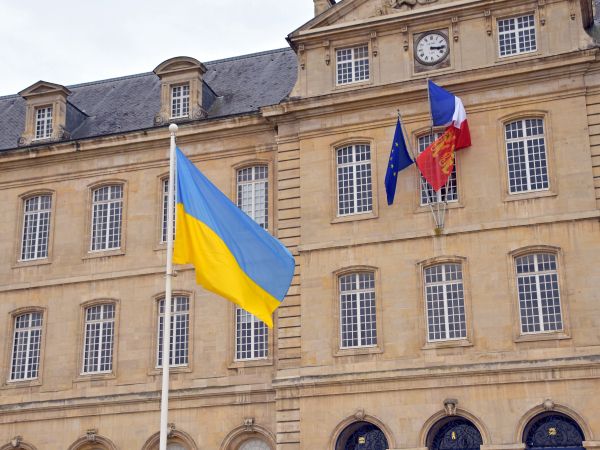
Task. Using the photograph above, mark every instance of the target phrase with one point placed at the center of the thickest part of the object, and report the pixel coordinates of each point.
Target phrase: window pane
(526, 157)
(253, 195)
(107, 218)
(26, 347)
(252, 336)
(445, 302)
(358, 318)
(180, 330)
(517, 35)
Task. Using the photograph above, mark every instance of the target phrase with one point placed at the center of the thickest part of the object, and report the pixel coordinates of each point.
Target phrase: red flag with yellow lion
(437, 161)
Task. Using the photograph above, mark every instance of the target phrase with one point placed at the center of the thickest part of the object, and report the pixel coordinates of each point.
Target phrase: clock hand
(437, 48)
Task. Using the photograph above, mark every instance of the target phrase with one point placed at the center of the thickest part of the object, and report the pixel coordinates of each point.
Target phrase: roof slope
(242, 84)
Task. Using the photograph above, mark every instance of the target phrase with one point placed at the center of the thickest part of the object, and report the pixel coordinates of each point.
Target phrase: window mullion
(26, 371)
(445, 297)
(528, 164)
(252, 337)
(539, 296)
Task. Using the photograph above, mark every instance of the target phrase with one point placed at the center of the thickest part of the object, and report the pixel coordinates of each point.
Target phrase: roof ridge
(249, 55)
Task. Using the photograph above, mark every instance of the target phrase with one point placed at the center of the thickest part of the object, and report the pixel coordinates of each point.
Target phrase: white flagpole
(164, 406)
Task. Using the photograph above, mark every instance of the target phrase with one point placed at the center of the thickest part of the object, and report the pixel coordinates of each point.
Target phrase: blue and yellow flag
(399, 160)
(233, 255)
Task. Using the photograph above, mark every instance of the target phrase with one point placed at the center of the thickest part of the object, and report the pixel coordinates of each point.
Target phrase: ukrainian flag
(233, 255)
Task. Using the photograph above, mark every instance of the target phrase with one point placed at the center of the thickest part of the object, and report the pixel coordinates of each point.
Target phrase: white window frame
(347, 167)
(180, 312)
(253, 193)
(33, 347)
(102, 356)
(180, 101)
(451, 274)
(41, 224)
(517, 27)
(114, 207)
(551, 274)
(43, 123)
(356, 58)
(423, 142)
(256, 336)
(361, 286)
(165, 212)
(524, 138)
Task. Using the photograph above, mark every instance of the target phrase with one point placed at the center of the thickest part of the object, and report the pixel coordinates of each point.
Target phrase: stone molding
(556, 407)
(16, 443)
(359, 416)
(174, 436)
(591, 445)
(442, 414)
(249, 430)
(92, 440)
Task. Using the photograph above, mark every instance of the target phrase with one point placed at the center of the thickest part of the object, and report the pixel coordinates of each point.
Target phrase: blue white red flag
(448, 110)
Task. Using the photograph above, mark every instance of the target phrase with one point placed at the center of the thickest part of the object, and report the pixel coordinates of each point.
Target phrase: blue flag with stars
(399, 160)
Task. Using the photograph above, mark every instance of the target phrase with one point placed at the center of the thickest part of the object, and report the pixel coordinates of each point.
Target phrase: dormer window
(43, 123)
(352, 65)
(180, 101)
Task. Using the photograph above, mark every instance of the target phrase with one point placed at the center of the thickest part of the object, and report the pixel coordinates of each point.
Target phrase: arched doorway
(553, 431)
(361, 436)
(454, 433)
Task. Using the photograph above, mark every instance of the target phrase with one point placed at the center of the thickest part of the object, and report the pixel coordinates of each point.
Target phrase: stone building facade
(483, 335)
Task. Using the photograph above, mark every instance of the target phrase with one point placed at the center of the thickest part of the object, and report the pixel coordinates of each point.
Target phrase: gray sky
(74, 41)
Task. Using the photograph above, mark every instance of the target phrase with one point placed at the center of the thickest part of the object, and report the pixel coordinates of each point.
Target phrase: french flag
(448, 110)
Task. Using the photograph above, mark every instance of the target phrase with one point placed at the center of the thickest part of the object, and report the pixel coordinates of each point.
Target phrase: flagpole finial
(173, 128)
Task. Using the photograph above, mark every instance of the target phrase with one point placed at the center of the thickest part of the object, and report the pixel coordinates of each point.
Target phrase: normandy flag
(233, 255)
(437, 161)
(399, 160)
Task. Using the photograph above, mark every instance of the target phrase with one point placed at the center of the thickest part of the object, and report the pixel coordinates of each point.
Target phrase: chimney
(322, 5)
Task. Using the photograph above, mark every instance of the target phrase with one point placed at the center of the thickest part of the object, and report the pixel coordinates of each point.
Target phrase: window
(180, 96)
(352, 65)
(445, 303)
(36, 228)
(539, 298)
(165, 215)
(428, 195)
(255, 444)
(253, 193)
(25, 362)
(526, 156)
(107, 217)
(43, 123)
(180, 331)
(99, 339)
(251, 336)
(516, 36)
(354, 180)
(357, 310)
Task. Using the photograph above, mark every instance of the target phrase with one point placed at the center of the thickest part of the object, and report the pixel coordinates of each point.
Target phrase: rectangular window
(428, 195)
(354, 180)
(516, 36)
(526, 156)
(180, 331)
(36, 228)
(43, 123)
(165, 214)
(253, 193)
(445, 303)
(352, 65)
(539, 298)
(106, 218)
(180, 96)
(99, 339)
(25, 363)
(251, 336)
(357, 311)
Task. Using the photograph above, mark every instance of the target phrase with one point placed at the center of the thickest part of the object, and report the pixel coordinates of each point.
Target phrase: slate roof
(119, 105)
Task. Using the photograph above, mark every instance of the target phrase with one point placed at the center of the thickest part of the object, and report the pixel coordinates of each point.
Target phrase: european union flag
(399, 160)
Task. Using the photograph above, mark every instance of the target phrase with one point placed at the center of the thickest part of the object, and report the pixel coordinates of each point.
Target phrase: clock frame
(424, 66)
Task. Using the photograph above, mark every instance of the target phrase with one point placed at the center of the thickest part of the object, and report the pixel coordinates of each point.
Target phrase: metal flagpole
(166, 354)
(421, 177)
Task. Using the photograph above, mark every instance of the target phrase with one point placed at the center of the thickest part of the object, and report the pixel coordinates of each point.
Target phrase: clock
(431, 48)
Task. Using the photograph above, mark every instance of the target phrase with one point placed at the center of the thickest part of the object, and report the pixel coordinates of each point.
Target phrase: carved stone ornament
(404, 31)
(359, 414)
(572, 2)
(542, 9)
(327, 57)
(170, 429)
(22, 142)
(548, 404)
(374, 45)
(158, 120)
(249, 424)
(15, 442)
(91, 435)
(488, 21)
(455, 28)
(200, 112)
(301, 52)
(394, 6)
(450, 406)
(62, 134)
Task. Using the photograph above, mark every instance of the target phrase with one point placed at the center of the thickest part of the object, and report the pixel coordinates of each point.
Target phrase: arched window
(358, 317)
(165, 211)
(454, 433)
(362, 436)
(553, 431)
(36, 228)
(253, 193)
(99, 339)
(255, 444)
(180, 331)
(107, 215)
(354, 180)
(526, 156)
(25, 361)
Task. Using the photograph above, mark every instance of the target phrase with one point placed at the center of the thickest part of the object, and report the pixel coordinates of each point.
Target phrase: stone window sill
(251, 363)
(32, 262)
(179, 369)
(447, 344)
(104, 253)
(542, 337)
(94, 377)
(354, 217)
(425, 208)
(528, 195)
(22, 384)
(357, 351)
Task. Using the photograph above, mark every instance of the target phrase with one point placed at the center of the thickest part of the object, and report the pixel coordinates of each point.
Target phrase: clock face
(431, 48)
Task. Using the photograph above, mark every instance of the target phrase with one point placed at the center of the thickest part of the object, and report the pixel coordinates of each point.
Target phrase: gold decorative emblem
(453, 435)
(552, 431)
(361, 440)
